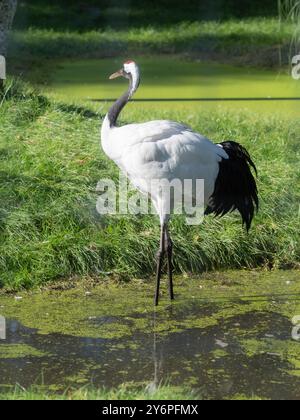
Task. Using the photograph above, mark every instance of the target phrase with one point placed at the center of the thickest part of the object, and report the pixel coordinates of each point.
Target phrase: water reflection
(213, 360)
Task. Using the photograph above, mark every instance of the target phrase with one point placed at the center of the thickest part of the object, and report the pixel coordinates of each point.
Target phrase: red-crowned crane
(170, 150)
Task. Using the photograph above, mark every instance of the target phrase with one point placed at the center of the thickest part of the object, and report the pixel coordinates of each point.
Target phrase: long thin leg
(160, 258)
(169, 251)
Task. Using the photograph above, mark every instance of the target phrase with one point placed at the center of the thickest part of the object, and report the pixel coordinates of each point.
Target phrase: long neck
(117, 107)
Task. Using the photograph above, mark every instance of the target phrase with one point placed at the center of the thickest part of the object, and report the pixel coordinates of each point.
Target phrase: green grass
(248, 41)
(88, 394)
(289, 10)
(164, 392)
(51, 163)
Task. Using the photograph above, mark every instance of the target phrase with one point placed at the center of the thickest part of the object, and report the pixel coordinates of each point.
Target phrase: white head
(131, 71)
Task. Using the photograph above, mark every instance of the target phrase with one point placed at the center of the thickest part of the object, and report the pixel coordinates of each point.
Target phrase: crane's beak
(118, 73)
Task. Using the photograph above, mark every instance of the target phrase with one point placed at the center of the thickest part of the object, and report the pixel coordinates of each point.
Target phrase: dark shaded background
(96, 14)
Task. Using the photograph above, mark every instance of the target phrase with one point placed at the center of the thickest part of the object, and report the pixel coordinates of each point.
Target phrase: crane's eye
(125, 73)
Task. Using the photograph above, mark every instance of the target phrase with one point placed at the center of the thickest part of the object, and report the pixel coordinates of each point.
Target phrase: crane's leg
(160, 258)
(169, 251)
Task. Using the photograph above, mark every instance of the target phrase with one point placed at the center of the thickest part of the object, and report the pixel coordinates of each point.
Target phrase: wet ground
(227, 335)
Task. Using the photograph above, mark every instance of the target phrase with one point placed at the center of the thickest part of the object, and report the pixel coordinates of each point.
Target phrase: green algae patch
(286, 351)
(295, 362)
(111, 310)
(227, 335)
(187, 80)
(19, 351)
(218, 353)
(243, 397)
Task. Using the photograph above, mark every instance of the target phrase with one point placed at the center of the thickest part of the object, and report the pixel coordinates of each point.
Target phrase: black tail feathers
(235, 186)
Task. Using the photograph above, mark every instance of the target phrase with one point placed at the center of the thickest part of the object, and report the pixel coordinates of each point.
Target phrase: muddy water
(226, 336)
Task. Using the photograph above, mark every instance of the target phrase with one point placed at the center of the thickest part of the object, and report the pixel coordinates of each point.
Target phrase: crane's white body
(171, 152)
(162, 149)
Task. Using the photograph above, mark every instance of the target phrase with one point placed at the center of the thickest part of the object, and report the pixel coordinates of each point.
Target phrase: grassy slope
(107, 27)
(51, 163)
(226, 32)
(122, 393)
(163, 393)
(257, 38)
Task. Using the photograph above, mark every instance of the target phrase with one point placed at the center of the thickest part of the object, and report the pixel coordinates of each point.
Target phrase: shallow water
(226, 335)
(179, 80)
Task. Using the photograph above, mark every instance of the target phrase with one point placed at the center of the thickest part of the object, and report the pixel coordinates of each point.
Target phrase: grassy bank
(164, 393)
(86, 394)
(249, 41)
(51, 163)
(249, 34)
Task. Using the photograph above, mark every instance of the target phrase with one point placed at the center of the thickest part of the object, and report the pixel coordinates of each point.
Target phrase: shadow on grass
(82, 111)
(16, 90)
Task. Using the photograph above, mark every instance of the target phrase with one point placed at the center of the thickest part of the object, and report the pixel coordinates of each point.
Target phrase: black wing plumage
(235, 187)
